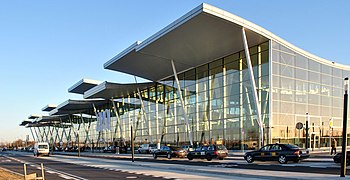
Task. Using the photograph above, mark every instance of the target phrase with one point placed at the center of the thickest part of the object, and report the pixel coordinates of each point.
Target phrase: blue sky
(47, 46)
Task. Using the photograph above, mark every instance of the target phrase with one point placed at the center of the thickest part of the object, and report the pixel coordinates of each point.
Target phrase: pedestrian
(334, 146)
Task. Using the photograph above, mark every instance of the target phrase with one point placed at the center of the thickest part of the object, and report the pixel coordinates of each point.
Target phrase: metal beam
(255, 94)
(143, 113)
(31, 131)
(182, 103)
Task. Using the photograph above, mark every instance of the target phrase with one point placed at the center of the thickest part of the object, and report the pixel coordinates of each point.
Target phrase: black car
(209, 152)
(338, 156)
(280, 152)
(169, 152)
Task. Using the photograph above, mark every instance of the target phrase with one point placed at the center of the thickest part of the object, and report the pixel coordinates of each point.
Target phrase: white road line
(65, 177)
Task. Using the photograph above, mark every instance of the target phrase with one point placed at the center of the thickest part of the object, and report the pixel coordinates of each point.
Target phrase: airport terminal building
(213, 78)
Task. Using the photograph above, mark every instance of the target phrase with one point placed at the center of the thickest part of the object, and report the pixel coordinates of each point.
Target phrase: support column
(182, 102)
(144, 113)
(31, 131)
(255, 94)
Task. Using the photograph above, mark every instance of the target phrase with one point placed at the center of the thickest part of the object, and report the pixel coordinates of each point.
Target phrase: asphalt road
(103, 166)
(314, 164)
(59, 170)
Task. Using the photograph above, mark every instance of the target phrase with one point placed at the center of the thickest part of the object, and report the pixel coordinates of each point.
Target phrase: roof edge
(94, 90)
(262, 31)
(84, 80)
(122, 54)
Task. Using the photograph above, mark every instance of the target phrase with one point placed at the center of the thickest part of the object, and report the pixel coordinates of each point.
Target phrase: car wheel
(155, 156)
(221, 158)
(282, 159)
(208, 157)
(168, 156)
(190, 157)
(249, 158)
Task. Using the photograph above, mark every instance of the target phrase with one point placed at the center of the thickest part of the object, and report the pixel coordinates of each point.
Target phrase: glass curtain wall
(302, 85)
(218, 100)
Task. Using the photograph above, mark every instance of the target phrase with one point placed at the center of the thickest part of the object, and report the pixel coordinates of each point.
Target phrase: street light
(345, 120)
(132, 143)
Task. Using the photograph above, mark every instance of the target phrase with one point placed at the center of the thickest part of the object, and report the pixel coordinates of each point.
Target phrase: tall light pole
(345, 120)
(132, 143)
(307, 131)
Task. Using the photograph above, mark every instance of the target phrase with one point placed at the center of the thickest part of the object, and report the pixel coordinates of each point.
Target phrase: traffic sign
(299, 125)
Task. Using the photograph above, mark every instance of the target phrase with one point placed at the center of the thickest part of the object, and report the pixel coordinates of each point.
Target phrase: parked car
(338, 156)
(187, 147)
(209, 152)
(147, 148)
(277, 152)
(109, 149)
(41, 148)
(169, 152)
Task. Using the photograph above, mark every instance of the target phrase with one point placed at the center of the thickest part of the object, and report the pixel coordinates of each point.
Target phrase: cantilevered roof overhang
(34, 116)
(108, 90)
(25, 122)
(49, 107)
(83, 85)
(204, 34)
(200, 36)
(77, 107)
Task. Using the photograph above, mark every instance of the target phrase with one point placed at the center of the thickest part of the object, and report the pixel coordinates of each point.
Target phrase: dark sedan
(338, 156)
(209, 152)
(280, 152)
(169, 152)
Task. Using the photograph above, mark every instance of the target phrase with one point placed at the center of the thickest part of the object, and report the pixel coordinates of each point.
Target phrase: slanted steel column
(118, 121)
(144, 113)
(182, 102)
(86, 129)
(31, 131)
(255, 94)
(41, 135)
(36, 133)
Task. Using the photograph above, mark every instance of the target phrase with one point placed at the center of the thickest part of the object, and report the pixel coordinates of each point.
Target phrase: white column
(182, 102)
(255, 94)
(144, 113)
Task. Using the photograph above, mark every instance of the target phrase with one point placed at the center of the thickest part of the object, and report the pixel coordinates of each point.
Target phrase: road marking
(131, 177)
(65, 177)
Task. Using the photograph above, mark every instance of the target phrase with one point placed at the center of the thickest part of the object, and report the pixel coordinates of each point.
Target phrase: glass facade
(302, 85)
(221, 108)
(218, 100)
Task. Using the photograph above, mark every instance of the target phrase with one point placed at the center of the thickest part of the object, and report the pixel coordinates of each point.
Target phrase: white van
(41, 148)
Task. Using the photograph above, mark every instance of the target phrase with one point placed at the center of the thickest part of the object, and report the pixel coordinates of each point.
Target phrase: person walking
(334, 146)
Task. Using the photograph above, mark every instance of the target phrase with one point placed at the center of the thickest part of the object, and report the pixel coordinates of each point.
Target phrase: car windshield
(291, 146)
(43, 147)
(176, 148)
(221, 147)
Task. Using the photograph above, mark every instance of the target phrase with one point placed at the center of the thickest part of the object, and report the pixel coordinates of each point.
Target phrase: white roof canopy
(197, 38)
(83, 85)
(49, 107)
(107, 90)
(77, 107)
(204, 34)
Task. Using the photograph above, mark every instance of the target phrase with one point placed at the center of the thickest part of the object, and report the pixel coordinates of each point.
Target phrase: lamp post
(132, 143)
(307, 131)
(345, 120)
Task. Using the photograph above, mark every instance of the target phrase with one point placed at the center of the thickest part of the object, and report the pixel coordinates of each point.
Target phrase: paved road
(62, 170)
(108, 166)
(321, 163)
